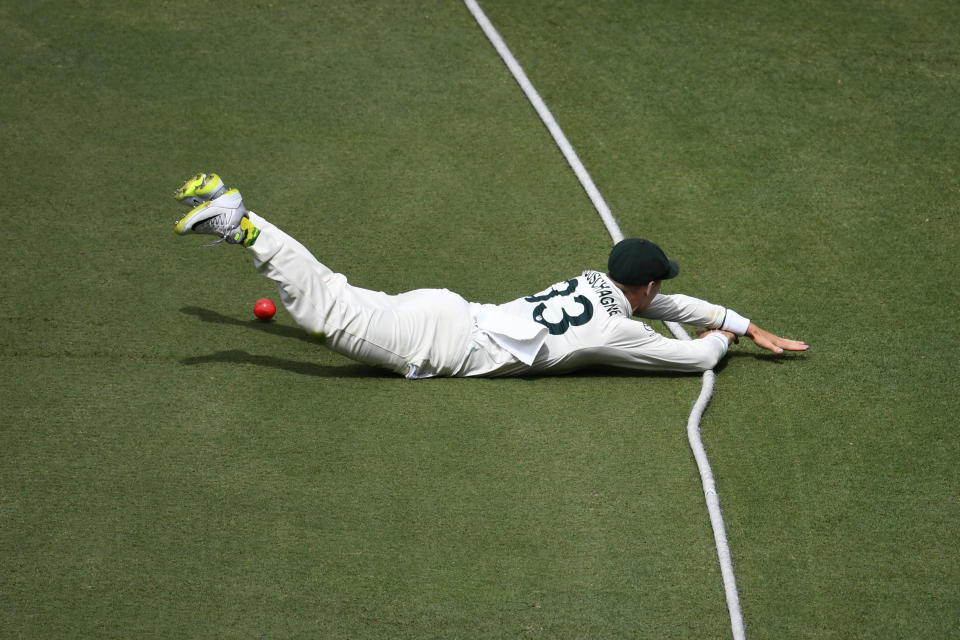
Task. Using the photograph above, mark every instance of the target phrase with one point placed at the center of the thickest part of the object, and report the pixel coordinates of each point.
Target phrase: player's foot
(201, 188)
(224, 216)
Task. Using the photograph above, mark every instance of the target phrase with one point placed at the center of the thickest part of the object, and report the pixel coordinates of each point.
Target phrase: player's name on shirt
(604, 290)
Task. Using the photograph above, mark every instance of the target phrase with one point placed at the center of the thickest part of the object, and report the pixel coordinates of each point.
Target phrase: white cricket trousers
(418, 334)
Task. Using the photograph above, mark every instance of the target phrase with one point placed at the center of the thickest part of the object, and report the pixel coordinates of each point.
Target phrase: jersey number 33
(560, 303)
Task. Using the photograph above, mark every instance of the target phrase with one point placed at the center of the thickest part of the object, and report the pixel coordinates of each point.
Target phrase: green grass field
(170, 468)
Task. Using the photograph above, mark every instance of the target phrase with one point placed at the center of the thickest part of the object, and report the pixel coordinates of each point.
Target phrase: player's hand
(768, 341)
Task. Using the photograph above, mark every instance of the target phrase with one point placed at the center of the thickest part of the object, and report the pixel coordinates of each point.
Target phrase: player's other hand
(768, 341)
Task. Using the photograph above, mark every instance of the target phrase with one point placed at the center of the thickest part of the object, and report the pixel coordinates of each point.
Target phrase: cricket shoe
(225, 217)
(201, 188)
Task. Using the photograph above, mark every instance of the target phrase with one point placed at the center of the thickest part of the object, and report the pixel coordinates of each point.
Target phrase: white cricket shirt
(586, 321)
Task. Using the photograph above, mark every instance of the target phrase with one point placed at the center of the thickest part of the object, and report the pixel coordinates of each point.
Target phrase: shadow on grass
(599, 371)
(236, 356)
(764, 356)
(207, 315)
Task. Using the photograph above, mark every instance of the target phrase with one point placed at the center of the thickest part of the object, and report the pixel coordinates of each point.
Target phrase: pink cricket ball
(264, 308)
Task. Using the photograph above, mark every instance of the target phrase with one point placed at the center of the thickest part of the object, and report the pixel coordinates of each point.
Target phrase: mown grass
(169, 467)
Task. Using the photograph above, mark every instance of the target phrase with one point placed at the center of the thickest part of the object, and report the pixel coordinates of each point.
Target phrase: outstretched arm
(681, 308)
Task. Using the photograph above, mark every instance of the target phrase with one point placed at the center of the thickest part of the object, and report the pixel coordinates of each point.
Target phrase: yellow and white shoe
(224, 216)
(201, 188)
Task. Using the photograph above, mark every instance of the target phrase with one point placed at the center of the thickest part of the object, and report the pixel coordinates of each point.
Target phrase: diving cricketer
(585, 321)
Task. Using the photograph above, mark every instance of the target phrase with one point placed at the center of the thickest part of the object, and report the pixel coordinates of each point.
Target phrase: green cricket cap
(638, 261)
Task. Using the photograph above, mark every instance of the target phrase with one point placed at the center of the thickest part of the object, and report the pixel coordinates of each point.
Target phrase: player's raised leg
(420, 333)
(318, 299)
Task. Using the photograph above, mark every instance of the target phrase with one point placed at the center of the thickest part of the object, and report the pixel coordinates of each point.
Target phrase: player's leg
(372, 327)
(419, 333)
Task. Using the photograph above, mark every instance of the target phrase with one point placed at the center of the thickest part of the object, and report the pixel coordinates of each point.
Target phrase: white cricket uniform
(584, 321)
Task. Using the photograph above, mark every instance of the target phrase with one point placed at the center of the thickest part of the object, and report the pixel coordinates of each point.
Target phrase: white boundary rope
(696, 414)
(598, 202)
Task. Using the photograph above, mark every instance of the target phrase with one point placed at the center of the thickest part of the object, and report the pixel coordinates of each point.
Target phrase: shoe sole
(194, 217)
(206, 211)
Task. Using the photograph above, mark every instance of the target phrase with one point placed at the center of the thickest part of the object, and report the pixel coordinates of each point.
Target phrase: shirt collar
(604, 283)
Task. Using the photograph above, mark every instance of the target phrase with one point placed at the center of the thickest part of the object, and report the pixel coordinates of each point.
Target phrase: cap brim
(673, 271)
